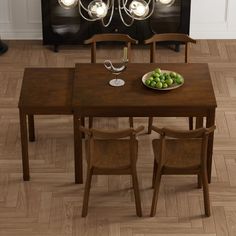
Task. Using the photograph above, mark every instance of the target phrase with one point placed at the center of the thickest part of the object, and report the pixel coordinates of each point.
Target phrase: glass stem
(116, 77)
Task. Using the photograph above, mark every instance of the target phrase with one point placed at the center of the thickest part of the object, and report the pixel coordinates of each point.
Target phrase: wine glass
(116, 70)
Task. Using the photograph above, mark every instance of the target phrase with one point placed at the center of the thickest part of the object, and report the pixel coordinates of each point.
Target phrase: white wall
(213, 19)
(21, 19)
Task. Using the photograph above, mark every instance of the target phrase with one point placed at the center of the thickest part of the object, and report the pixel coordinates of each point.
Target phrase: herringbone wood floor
(50, 204)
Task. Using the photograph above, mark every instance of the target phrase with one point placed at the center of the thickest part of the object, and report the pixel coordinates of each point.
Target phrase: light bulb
(139, 9)
(67, 4)
(97, 9)
(100, 11)
(167, 2)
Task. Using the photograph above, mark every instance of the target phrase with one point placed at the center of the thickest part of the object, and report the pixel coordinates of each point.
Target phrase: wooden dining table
(94, 97)
(44, 91)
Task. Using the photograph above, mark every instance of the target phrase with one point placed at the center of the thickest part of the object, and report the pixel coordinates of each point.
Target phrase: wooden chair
(98, 38)
(184, 153)
(169, 37)
(108, 153)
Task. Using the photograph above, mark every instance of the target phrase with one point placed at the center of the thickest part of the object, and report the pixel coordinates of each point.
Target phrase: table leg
(24, 146)
(210, 122)
(31, 128)
(78, 159)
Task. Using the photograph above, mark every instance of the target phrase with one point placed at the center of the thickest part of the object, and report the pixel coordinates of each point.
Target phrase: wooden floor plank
(50, 204)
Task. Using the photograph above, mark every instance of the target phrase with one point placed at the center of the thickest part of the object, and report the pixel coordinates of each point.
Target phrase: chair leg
(206, 193)
(131, 122)
(90, 122)
(199, 181)
(150, 121)
(136, 194)
(82, 122)
(190, 121)
(154, 172)
(155, 193)
(86, 192)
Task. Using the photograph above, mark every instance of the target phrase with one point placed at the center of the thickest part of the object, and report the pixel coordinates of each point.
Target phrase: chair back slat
(108, 153)
(153, 52)
(168, 37)
(109, 38)
(95, 134)
(200, 135)
(197, 133)
(204, 150)
(181, 152)
(186, 53)
(111, 134)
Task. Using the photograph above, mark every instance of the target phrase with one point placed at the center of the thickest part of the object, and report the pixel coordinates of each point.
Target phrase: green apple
(164, 85)
(159, 85)
(173, 74)
(162, 77)
(158, 70)
(147, 82)
(157, 79)
(153, 84)
(179, 80)
(169, 81)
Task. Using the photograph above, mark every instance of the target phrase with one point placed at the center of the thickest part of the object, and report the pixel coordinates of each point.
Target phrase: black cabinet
(61, 26)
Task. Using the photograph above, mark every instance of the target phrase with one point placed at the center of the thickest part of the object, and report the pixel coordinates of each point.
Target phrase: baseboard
(21, 35)
(213, 31)
(213, 35)
(37, 35)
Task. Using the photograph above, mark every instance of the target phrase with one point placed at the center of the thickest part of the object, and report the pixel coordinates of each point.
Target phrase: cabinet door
(166, 19)
(62, 26)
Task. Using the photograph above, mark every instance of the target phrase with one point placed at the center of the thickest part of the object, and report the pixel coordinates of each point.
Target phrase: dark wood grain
(120, 158)
(24, 146)
(126, 39)
(47, 90)
(94, 96)
(168, 37)
(184, 152)
(44, 91)
(31, 128)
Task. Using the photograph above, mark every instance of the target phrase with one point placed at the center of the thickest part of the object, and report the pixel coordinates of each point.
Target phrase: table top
(94, 96)
(47, 90)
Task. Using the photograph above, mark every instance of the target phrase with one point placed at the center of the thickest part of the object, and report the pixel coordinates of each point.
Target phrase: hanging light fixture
(97, 9)
(67, 4)
(167, 3)
(104, 9)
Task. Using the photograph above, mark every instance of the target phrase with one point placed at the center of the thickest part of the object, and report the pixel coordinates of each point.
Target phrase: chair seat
(180, 153)
(112, 154)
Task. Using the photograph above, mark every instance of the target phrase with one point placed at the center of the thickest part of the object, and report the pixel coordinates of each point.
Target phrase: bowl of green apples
(162, 79)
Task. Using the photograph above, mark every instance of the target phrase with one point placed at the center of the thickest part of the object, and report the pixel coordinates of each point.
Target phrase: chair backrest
(95, 134)
(197, 134)
(169, 37)
(109, 38)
